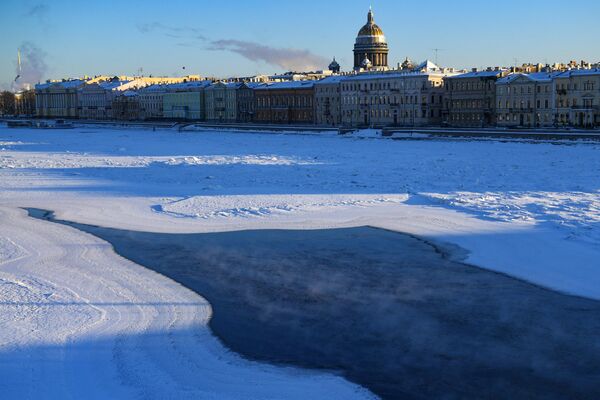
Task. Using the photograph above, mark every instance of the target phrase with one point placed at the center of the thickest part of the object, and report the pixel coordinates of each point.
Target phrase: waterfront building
(58, 99)
(526, 100)
(285, 102)
(370, 48)
(578, 98)
(126, 106)
(393, 99)
(328, 99)
(246, 101)
(185, 101)
(221, 102)
(95, 99)
(470, 98)
(151, 101)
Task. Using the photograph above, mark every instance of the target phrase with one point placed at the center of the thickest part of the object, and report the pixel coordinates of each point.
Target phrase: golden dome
(370, 28)
(371, 45)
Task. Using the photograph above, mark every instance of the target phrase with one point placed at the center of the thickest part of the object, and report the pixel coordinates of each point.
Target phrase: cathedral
(370, 48)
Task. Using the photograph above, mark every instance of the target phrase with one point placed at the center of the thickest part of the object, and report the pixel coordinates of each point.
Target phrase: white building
(57, 99)
(393, 98)
(526, 100)
(95, 99)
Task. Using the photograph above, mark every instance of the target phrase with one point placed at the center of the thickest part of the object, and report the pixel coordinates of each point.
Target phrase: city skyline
(246, 38)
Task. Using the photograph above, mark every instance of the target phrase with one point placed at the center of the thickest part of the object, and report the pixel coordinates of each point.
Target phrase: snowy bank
(527, 210)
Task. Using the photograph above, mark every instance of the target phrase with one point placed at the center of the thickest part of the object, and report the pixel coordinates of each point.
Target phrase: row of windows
(589, 103)
(327, 89)
(393, 100)
(396, 85)
(527, 118)
(588, 85)
(469, 104)
(466, 117)
(299, 116)
(287, 101)
(523, 104)
(524, 89)
(354, 114)
(466, 85)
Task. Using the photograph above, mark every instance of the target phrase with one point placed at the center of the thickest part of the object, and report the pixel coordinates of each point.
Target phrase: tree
(7, 103)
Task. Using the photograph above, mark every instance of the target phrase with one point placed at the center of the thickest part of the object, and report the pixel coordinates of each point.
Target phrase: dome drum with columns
(370, 49)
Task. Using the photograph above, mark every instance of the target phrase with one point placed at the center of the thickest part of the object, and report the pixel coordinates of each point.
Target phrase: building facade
(221, 102)
(526, 100)
(126, 106)
(58, 99)
(370, 48)
(578, 98)
(151, 101)
(95, 99)
(328, 101)
(246, 101)
(392, 99)
(185, 101)
(470, 98)
(285, 103)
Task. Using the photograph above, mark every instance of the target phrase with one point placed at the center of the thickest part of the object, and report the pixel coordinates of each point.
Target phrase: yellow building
(578, 98)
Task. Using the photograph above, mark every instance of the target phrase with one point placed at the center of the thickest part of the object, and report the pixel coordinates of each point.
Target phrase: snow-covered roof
(536, 77)
(330, 80)
(427, 66)
(130, 93)
(226, 85)
(479, 74)
(74, 83)
(287, 85)
(254, 85)
(154, 88)
(110, 85)
(383, 75)
(579, 72)
(193, 85)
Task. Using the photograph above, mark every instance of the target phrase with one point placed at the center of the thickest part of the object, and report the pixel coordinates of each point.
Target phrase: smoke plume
(33, 66)
(289, 59)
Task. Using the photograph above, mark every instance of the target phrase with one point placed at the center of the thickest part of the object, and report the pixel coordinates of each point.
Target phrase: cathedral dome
(370, 32)
(371, 44)
(334, 66)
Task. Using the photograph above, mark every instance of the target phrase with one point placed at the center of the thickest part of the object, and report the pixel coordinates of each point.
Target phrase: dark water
(387, 310)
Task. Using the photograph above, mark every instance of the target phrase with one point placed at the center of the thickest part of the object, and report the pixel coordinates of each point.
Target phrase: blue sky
(63, 38)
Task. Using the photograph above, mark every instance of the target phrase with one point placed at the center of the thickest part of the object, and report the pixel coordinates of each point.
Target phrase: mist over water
(387, 310)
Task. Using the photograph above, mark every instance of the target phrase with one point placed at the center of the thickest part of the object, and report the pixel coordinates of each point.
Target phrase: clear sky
(68, 38)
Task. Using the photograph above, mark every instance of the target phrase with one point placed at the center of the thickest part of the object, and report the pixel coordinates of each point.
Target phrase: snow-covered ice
(530, 210)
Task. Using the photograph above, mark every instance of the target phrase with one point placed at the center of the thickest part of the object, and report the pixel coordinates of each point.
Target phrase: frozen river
(394, 313)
